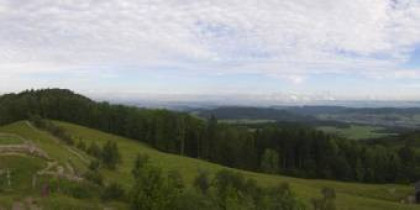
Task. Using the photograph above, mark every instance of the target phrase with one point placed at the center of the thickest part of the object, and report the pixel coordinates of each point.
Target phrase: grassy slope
(9, 139)
(25, 166)
(349, 195)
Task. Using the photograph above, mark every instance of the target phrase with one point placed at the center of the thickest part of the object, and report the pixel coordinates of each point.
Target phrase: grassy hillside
(21, 194)
(349, 195)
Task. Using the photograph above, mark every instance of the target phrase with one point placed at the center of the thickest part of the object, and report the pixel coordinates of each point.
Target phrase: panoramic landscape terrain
(210, 105)
(61, 150)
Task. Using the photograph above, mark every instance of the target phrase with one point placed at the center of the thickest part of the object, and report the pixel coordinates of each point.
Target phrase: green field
(9, 139)
(349, 195)
(247, 121)
(356, 132)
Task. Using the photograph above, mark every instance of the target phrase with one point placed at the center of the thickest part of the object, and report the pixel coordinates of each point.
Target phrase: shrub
(80, 192)
(94, 150)
(94, 165)
(110, 155)
(50, 127)
(81, 145)
(327, 202)
(94, 177)
(113, 191)
(202, 182)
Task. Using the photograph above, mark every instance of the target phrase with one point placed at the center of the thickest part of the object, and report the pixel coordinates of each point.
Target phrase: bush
(50, 127)
(191, 200)
(94, 177)
(94, 150)
(94, 165)
(80, 192)
(113, 191)
(202, 182)
(37, 121)
(327, 202)
(81, 145)
(110, 155)
(153, 190)
(141, 162)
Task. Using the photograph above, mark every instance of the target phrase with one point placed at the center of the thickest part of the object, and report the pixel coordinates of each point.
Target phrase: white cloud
(291, 39)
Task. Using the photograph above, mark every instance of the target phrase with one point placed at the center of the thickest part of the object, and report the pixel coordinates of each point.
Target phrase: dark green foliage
(274, 148)
(280, 197)
(140, 164)
(151, 189)
(229, 190)
(53, 129)
(94, 177)
(233, 191)
(110, 155)
(202, 182)
(94, 165)
(80, 190)
(81, 145)
(191, 200)
(94, 150)
(3, 181)
(37, 121)
(327, 202)
(175, 180)
(270, 161)
(113, 191)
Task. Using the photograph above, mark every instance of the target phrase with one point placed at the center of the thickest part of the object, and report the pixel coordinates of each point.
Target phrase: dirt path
(70, 149)
(30, 125)
(25, 148)
(53, 167)
(85, 160)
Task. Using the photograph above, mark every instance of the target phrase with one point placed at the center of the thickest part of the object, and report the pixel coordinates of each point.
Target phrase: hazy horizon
(246, 52)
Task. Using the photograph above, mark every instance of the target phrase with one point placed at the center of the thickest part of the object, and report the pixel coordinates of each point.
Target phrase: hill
(349, 195)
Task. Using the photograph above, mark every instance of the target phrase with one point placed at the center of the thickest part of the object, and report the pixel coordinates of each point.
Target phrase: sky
(246, 50)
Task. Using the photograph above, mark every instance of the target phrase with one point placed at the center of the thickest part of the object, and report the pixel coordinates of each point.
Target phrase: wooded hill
(293, 150)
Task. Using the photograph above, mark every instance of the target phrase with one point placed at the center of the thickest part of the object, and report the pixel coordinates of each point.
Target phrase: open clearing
(356, 132)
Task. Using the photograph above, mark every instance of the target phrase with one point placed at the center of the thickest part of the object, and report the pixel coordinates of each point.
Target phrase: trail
(15, 136)
(85, 160)
(70, 149)
(25, 148)
(28, 148)
(30, 125)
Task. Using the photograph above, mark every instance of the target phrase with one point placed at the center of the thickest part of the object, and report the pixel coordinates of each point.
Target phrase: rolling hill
(73, 162)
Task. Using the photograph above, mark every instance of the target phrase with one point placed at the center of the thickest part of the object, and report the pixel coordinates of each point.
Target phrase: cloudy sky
(180, 49)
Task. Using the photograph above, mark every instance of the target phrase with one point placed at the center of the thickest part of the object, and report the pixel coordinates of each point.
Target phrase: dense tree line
(274, 148)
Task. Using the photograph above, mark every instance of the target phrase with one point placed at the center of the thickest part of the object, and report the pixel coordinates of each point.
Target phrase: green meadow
(349, 195)
(357, 132)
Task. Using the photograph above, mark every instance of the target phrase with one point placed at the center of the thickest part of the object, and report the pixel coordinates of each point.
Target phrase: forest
(277, 148)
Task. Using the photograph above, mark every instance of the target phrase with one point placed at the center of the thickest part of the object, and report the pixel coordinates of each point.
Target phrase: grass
(21, 169)
(356, 132)
(56, 201)
(56, 149)
(350, 196)
(9, 139)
